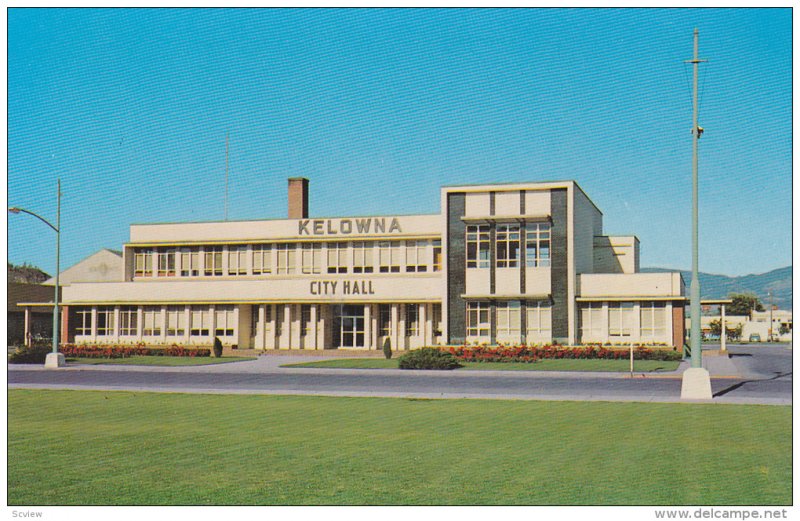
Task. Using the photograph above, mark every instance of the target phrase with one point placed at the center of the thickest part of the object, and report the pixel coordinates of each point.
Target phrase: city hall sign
(348, 226)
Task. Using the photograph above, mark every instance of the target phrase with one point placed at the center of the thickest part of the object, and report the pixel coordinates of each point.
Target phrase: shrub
(428, 358)
(35, 354)
(116, 351)
(387, 349)
(217, 347)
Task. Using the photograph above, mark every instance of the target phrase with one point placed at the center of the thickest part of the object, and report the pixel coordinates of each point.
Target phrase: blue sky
(379, 108)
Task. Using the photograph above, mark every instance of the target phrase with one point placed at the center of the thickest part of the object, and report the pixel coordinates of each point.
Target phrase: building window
(201, 321)
(415, 256)
(225, 321)
(337, 257)
(143, 263)
(363, 257)
(165, 260)
(190, 262)
(213, 261)
(412, 319)
(436, 319)
(508, 319)
(84, 324)
(385, 319)
(306, 326)
(437, 255)
(537, 245)
(507, 245)
(592, 322)
(176, 321)
(477, 319)
(538, 320)
(287, 259)
(311, 258)
(477, 246)
(128, 321)
(620, 319)
(653, 320)
(105, 321)
(151, 321)
(262, 259)
(389, 256)
(237, 260)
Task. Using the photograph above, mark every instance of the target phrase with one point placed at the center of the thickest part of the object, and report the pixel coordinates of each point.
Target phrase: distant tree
(731, 332)
(743, 304)
(784, 329)
(25, 274)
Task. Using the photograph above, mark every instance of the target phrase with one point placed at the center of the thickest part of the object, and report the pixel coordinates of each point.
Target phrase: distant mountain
(26, 274)
(778, 282)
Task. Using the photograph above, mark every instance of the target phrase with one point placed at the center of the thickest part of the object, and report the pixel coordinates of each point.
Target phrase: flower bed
(531, 354)
(112, 351)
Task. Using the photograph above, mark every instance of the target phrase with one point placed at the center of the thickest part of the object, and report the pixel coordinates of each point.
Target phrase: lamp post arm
(17, 210)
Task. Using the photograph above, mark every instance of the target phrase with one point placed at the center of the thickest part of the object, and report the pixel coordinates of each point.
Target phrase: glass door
(349, 323)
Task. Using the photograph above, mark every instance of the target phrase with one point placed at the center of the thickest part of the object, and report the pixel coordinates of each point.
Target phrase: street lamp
(54, 359)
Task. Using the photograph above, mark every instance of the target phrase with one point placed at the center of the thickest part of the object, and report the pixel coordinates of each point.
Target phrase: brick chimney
(298, 198)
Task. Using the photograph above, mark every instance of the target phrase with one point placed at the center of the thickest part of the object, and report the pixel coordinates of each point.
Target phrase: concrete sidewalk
(718, 367)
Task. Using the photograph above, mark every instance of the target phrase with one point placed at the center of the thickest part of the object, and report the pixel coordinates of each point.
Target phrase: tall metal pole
(695, 342)
(58, 269)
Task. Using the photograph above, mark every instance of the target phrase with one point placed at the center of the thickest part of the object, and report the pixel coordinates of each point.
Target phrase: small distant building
(102, 266)
(30, 308)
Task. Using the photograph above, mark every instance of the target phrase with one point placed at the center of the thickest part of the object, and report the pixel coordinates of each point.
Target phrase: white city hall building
(505, 263)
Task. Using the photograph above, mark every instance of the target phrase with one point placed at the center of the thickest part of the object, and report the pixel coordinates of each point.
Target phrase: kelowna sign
(348, 226)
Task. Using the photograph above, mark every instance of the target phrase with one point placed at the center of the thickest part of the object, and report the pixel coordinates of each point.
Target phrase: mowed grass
(541, 365)
(172, 361)
(123, 448)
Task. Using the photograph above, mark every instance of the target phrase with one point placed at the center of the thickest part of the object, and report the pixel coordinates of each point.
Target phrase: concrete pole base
(54, 361)
(696, 384)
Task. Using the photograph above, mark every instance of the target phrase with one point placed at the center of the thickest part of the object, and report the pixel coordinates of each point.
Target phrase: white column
(94, 323)
(312, 338)
(187, 323)
(722, 339)
(367, 327)
(260, 341)
(27, 329)
(116, 324)
(375, 315)
(139, 322)
(636, 334)
(212, 323)
(401, 328)
(393, 330)
(286, 329)
(225, 259)
(604, 323)
(429, 325)
(163, 324)
(422, 319)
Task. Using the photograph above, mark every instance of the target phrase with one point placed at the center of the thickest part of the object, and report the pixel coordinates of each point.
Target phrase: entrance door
(349, 324)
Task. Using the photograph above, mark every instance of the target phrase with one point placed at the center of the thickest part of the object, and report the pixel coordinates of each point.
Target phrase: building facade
(504, 263)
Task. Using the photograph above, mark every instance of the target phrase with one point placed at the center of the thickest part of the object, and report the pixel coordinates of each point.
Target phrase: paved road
(764, 377)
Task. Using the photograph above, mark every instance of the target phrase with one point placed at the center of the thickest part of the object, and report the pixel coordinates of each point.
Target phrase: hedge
(112, 351)
(530, 354)
(428, 358)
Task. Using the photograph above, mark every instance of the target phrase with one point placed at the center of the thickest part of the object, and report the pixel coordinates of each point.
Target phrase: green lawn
(123, 448)
(542, 365)
(159, 360)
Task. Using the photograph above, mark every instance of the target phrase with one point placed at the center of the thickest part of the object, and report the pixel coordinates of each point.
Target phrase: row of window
(154, 323)
(290, 258)
(508, 323)
(621, 316)
(511, 242)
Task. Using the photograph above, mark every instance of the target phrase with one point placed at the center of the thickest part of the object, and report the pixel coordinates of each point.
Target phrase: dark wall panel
(456, 268)
(558, 263)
